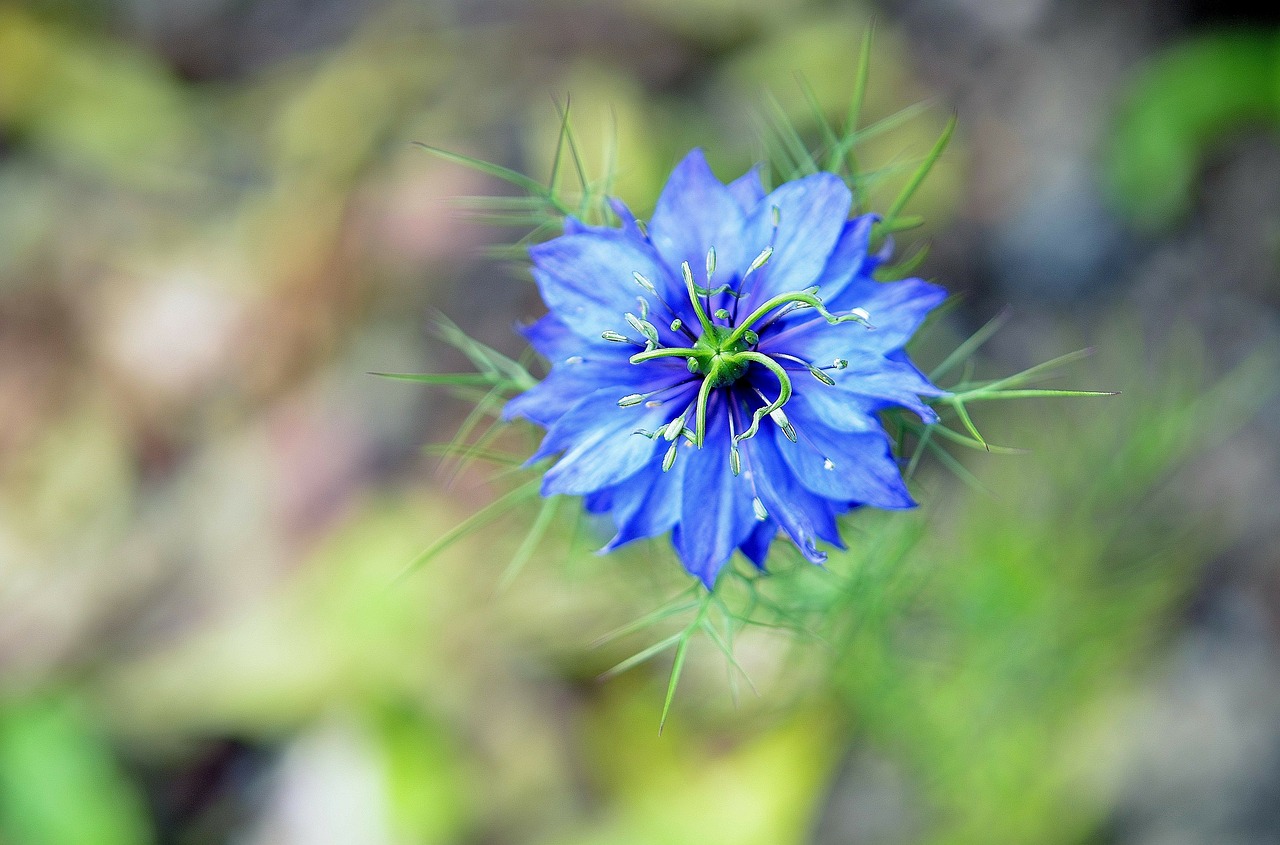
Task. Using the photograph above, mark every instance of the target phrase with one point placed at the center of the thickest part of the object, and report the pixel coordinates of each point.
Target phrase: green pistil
(692, 290)
(723, 354)
(804, 298)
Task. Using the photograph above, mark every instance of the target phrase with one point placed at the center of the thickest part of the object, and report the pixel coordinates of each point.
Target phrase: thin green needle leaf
(1034, 393)
(502, 203)
(677, 666)
(860, 83)
(844, 156)
(957, 437)
(485, 358)
(448, 379)
(469, 453)
(555, 160)
(512, 221)
(645, 621)
(893, 121)
(1031, 373)
(901, 224)
(647, 654)
(800, 160)
(903, 268)
(925, 437)
(727, 650)
(574, 154)
(970, 346)
(485, 515)
(963, 414)
(930, 160)
(493, 456)
(506, 174)
(829, 139)
(959, 470)
(531, 541)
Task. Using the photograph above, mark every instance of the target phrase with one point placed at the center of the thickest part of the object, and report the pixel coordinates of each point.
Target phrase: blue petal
(803, 515)
(876, 365)
(599, 501)
(599, 442)
(747, 190)
(586, 280)
(648, 503)
(579, 368)
(756, 546)
(896, 309)
(629, 223)
(889, 380)
(694, 213)
(716, 511)
(565, 385)
(811, 214)
(574, 226)
(849, 259)
(830, 406)
(553, 340)
(862, 469)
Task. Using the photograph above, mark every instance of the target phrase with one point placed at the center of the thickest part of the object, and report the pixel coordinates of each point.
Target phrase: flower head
(718, 373)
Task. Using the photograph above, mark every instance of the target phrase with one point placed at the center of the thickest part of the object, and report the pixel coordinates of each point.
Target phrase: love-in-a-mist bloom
(718, 372)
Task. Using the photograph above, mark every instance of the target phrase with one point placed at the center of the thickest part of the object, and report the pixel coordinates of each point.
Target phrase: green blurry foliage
(60, 783)
(988, 640)
(93, 104)
(1183, 104)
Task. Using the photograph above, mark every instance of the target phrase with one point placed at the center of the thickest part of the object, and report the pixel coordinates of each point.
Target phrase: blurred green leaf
(60, 783)
(1180, 105)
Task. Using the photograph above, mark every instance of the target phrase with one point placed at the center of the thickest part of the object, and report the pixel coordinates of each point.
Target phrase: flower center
(722, 354)
(719, 359)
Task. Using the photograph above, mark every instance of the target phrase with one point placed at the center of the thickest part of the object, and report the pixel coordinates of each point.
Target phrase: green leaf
(1034, 393)
(646, 654)
(506, 174)
(970, 346)
(531, 540)
(918, 177)
(60, 783)
(963, 414)
(484, 516)
(449, 379)
(662, 613)
(677, 666)
(485, 358)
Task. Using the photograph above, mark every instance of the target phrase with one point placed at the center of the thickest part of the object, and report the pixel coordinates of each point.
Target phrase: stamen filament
(651, 289)
(816, 372)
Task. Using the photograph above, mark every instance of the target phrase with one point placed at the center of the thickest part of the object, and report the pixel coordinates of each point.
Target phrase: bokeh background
(213, 226)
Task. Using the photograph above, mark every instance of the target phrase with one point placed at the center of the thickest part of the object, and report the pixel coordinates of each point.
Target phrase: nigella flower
(718, 373)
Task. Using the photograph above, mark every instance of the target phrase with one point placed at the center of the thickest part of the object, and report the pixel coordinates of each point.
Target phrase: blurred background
(213, 227)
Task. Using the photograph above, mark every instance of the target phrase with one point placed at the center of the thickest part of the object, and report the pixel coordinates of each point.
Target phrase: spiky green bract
(767, 393)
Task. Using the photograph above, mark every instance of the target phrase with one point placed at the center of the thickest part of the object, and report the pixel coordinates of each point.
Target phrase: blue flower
(718, 373)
